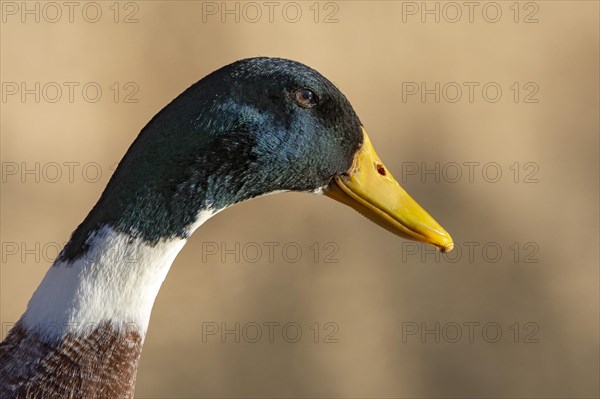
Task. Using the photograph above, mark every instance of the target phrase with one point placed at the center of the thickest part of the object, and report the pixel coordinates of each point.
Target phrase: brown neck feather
(99, 364)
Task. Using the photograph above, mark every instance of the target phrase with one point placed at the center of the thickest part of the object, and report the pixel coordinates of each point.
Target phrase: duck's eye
(305, 98)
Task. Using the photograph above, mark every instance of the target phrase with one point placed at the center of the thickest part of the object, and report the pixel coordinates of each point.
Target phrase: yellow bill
(371, 189)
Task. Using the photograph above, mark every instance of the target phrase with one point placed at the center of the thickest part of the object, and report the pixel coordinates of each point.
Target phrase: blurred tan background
(383, 295)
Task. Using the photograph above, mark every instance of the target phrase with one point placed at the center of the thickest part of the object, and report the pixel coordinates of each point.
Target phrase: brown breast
(100, 363)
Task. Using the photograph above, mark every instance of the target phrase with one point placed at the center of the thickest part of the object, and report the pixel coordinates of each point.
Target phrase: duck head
(251, 128)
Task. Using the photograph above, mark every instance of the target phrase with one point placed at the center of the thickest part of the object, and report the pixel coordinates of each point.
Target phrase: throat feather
(84, 327)
(116, 282)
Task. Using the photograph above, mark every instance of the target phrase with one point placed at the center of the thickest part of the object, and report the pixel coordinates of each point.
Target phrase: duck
(255, 127)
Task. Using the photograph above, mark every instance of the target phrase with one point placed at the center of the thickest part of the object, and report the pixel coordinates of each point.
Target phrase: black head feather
(238, 133)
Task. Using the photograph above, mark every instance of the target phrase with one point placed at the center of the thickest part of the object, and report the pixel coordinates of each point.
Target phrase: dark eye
(305, 98)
